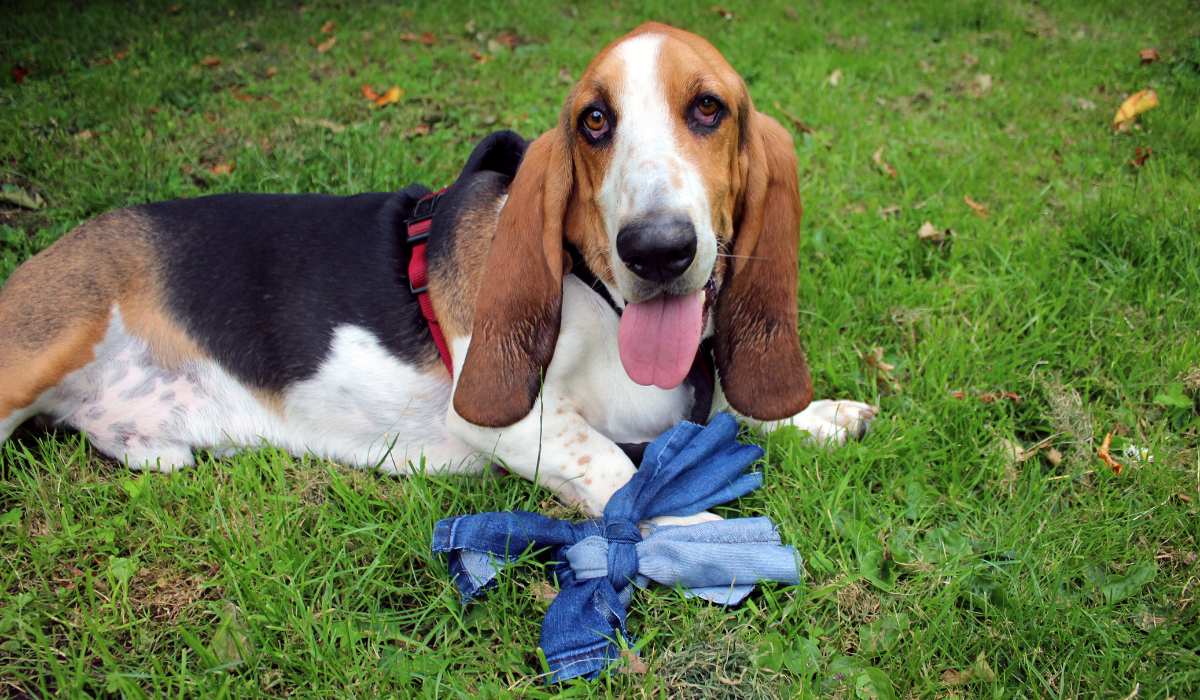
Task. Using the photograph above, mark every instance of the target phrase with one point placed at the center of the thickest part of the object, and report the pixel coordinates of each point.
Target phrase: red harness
(418, 273)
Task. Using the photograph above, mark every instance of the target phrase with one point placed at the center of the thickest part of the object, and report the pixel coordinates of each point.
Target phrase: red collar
(418, 275)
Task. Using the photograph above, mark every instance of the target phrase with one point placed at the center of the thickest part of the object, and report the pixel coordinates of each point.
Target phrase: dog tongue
(658, 338)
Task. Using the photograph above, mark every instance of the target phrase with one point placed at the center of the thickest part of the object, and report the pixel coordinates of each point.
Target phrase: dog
(632, 267)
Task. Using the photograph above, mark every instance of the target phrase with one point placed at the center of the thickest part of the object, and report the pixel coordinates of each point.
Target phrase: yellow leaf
(369, 92)
(326, 45)
(1137, 103)
(392, 95)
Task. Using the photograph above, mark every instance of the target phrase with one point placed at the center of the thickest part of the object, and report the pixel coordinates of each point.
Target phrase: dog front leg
(827, 422)
(554, 447)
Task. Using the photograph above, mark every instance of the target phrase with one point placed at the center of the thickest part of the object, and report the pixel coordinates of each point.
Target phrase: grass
(933, 557)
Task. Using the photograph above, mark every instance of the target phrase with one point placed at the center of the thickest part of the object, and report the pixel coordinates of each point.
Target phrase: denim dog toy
(686, 470)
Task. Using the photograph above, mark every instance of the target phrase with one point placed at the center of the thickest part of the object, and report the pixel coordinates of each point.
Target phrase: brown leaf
(991, 398)
(175, 8)
(883, 372)
(1106, 457)
(1137, 103)
(427, 38)
(1140, 159)
(969, 59)
(328, 27)
(854, 209)
(723, 12)
(222, 169)
(1150, 56)
(981, 85)
(633, 663)
(888, 211)
(546, 592)
(958, 394)
(211, 62)
(369, 93)
(481, 58)
(325, 46)
(85, 135)
(509, 39)
(272, 71)
(929, 232)
(120, 55)
(392, 95)
(1054, 456)
(978, 672)
(419, 130)
(976, 207)
(886, 167)
(1012, 451)
(564, 76)
(19, 74)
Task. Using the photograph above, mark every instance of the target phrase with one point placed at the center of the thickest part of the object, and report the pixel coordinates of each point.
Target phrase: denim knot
(622, 531)
(623, 538)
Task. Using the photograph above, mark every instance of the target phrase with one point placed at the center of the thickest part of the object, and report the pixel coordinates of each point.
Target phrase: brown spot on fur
(584, 460)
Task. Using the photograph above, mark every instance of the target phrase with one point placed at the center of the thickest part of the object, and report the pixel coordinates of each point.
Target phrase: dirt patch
(719, 669)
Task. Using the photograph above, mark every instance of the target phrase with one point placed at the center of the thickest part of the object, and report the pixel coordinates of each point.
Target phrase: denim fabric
(600, 562)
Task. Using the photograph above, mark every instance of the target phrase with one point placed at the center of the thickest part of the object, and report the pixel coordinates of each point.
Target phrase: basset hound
(634, 266)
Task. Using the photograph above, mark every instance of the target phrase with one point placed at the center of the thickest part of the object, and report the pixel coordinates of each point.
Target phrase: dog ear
(519, 307)
(757, 351)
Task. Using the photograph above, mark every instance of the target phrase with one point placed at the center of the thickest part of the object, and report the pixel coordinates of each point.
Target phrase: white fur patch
(649, 173)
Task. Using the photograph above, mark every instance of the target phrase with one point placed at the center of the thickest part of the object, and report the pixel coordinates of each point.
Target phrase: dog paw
(647, 526)
(836, 422)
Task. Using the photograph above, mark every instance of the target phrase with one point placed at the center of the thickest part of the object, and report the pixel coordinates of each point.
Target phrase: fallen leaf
(120, 55)
(19, 74)
(85, 135)
(634, 663)
(1054, 456)
(328, 27)
(888, 211)
(564, 76)
(419, 130)
(326, 45)
(887, 167)
(958, 394)
(175, 8)
(546, 592)
(210, 117)
(976, 207)
(272, 71)
(369, 93)
(481, 57)
(1185, 499)
(22, 197)
(929, 232)
(991, 398)
(1150, 56)
(324, 123)
(981, 85)
(969, 59)
(509, 39)
(1140, 159)
(392, 95)
(427, 38)
(222, 169)
(724, 13)
(1106, 457)
(231, 644)
(978, 672)
(1137, 103)
(1012, 451)
(835, 77)
(854, 209)
(883, 372)
(211, 62)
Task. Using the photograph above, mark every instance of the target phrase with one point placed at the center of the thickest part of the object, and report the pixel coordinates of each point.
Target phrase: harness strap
(417, 229)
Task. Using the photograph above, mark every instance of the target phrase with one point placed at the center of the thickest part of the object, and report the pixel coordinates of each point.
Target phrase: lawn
(973, 545)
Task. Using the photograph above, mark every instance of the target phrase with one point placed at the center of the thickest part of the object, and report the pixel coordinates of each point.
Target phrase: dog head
(684, 200)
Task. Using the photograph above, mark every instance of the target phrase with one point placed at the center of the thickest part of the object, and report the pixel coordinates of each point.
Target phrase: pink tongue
(658, 338)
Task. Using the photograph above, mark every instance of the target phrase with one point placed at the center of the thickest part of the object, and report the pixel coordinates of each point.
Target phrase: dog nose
(658, 250)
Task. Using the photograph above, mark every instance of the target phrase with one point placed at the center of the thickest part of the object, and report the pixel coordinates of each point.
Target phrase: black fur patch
(261, 281)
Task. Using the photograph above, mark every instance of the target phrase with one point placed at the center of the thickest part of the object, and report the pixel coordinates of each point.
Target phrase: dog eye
(596, 123)
(706, 109)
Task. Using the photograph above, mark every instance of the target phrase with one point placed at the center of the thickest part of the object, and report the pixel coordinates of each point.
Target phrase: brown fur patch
(520, 300)
(56, 306)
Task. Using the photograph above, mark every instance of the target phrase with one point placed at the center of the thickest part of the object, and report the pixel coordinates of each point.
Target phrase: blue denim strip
(600, 562)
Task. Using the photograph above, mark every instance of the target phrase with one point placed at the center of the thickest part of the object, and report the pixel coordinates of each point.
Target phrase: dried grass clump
(719, 669)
